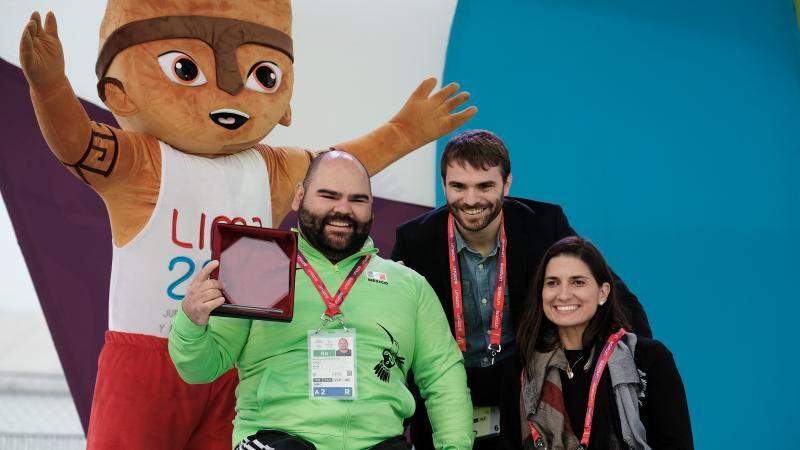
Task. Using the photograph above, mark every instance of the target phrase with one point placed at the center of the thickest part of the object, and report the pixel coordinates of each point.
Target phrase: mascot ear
(114, 96)
(286, 119)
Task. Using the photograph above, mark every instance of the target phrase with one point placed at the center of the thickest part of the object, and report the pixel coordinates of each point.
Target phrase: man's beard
(334, 248)
(484, 218)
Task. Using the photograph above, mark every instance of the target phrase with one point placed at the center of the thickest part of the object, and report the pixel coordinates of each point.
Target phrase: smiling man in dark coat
(479, 230)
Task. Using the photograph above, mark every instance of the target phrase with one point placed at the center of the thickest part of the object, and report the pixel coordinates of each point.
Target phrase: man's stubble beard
(495, 210)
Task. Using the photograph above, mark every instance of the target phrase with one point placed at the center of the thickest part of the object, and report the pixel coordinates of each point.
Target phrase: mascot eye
(180, 68)
(264, 77)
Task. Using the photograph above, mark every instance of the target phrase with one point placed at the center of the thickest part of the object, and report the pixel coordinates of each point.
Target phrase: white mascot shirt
(151, 273)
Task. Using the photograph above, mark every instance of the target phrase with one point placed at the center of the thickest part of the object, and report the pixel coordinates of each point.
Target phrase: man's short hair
(480, 149)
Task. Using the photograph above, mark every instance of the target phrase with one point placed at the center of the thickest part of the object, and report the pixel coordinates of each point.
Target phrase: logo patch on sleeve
(377, 277)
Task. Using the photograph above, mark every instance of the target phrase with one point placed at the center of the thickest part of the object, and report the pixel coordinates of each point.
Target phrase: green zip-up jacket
(272, 360)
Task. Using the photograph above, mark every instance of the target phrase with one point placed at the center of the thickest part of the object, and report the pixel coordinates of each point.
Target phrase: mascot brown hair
(195, 86)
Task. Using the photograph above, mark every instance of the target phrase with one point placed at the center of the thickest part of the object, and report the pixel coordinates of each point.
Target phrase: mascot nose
(228, 77)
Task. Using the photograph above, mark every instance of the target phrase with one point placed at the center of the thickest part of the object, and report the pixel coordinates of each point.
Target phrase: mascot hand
(40, 52)
(427, 117)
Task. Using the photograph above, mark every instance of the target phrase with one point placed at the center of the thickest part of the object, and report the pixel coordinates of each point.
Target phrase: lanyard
(608, 349)
(499, 290)
(332, 303)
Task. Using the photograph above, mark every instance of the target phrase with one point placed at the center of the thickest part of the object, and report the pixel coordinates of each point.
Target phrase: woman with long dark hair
(587, 383)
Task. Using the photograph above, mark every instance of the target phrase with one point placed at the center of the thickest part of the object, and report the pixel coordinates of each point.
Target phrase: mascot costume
(195, 85)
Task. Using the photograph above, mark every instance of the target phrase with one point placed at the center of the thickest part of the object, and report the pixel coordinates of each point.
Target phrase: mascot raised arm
(195, 86)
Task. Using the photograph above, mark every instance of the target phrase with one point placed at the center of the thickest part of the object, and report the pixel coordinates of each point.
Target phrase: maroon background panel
(63, 230)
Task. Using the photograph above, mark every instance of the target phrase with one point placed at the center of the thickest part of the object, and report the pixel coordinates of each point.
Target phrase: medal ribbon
(332, 303)
(605, 355)
(458, 298)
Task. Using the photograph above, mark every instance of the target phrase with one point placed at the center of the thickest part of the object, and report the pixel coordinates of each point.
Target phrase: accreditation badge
(485, 421)
(332, 364)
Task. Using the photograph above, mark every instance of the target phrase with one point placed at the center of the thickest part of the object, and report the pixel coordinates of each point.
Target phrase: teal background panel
(670, 133)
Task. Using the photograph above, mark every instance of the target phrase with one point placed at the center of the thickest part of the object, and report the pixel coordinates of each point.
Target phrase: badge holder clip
(493, 350)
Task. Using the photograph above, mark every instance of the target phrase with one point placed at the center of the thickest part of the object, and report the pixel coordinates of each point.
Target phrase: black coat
(531, 228)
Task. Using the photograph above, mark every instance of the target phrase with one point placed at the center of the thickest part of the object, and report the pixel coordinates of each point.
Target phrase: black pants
(279, 440)
(497, 385)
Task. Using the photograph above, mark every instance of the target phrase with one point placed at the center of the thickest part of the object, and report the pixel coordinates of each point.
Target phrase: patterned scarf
(542, 399)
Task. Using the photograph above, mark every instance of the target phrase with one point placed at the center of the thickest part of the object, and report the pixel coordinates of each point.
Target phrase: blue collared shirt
(478, 277)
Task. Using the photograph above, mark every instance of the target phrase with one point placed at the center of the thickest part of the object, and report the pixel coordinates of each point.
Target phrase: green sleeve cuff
(185, 328)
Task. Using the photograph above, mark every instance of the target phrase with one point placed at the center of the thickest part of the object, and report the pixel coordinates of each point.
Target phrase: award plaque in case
(257, 268)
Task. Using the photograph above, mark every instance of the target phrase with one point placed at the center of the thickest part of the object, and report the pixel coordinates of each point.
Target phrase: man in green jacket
(294, 392)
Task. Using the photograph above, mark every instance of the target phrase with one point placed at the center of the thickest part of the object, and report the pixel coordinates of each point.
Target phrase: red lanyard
(499, 289)
(332, 303)
(608, 349)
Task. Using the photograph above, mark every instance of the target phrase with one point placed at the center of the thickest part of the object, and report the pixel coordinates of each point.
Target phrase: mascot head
(207, 77)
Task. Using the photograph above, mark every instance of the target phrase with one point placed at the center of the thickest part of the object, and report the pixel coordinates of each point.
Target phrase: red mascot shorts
(140, 402)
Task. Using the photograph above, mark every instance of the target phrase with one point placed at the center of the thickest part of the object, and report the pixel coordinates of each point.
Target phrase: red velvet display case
(257, 269)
